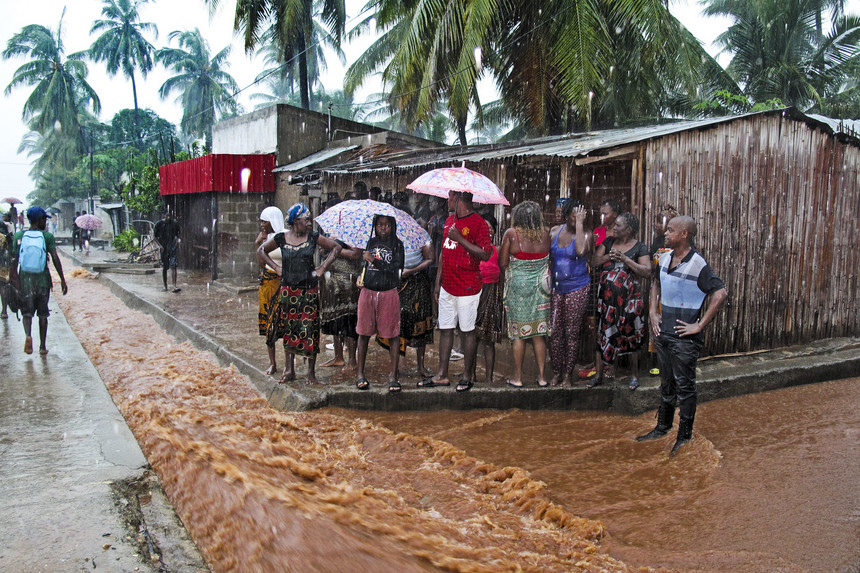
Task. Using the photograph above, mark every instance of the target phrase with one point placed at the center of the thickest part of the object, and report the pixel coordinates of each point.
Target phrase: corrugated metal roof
(570, 145)
(314, 158)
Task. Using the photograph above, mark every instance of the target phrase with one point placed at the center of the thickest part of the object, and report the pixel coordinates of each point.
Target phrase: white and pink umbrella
(439, 181)
(88, 222)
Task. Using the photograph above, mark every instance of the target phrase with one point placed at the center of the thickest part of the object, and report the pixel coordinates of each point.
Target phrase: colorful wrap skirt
(527, 298)
(621, 314)
(270, 284)
(297, 321)
(339, 295)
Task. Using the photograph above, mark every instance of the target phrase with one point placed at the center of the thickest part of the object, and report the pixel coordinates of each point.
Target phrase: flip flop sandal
(634, 383)
(654, 372)
(592, 383)
(512, 385)
(362, 384)
(426, 383)
(394, 387)
(464, 385)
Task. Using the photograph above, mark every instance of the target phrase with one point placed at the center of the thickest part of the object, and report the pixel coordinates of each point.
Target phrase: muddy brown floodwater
(768, 484)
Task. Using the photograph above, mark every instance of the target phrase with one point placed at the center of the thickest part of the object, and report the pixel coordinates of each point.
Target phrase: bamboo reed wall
(776, 201)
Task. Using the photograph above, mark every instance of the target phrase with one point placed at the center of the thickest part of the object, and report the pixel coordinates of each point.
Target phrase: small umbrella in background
(88, 222)
(12, 201)
(352, 222)
(439, 181)
(53, 210)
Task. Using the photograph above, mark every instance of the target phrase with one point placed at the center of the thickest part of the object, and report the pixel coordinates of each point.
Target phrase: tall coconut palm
(293, 28)
(61, 96)
(779, 52)
(121, 45)
(205, 89)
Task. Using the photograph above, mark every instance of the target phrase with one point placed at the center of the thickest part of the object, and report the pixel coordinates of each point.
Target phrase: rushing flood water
(768, 484)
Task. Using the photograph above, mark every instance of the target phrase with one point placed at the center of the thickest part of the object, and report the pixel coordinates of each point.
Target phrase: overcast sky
(169, 15)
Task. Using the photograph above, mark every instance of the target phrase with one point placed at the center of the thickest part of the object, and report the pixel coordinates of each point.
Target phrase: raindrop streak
(58, 126)
(245, 176)
(372, 25)
(478, 54)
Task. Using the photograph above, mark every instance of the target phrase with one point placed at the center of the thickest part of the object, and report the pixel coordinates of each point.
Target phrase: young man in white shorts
(465, 243)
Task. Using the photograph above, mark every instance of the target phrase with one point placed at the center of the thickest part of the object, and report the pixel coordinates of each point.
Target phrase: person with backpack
(29, 273)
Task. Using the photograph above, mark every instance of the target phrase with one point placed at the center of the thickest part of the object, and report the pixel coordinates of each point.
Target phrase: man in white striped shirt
(682, 282)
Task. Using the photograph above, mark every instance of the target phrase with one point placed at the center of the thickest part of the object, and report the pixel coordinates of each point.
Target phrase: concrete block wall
(239, 224)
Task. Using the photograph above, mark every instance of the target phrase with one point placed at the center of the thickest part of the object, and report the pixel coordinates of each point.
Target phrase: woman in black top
(298, 320)
(624, 264)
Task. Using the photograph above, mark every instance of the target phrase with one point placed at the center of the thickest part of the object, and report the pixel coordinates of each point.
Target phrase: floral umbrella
(88, 222)
(439, 181)
(12, 201)
(352, 222)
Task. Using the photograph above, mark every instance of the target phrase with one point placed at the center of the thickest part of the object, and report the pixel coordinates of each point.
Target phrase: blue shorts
(169, 258)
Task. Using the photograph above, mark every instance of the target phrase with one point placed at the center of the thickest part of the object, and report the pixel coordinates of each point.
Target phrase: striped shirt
(683, 289)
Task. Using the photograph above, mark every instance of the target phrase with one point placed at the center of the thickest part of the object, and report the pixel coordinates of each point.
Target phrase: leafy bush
(128, 240)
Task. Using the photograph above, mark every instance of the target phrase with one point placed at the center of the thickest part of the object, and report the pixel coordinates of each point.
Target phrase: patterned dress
(620, 306)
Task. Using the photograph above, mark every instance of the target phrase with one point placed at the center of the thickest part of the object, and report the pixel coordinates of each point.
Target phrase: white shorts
(454, 310)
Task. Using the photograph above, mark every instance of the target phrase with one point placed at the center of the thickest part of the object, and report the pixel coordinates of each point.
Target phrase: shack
(775, 195)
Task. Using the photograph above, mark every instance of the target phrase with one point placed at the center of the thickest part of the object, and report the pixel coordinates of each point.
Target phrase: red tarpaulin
(222, 173)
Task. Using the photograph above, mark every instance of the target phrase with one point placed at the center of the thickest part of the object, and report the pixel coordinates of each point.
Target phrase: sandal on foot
(544, 385)
(512, 385)
(634, 383)
(594, 382)
(394, 387)
(427, 383)
(464, 385)
(362, 384)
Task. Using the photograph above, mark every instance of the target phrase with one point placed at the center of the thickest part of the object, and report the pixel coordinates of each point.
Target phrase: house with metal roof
(775, 194)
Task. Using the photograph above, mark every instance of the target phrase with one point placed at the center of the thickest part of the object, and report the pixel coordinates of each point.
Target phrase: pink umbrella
(88, 222)
(12, 201)
(439, 181)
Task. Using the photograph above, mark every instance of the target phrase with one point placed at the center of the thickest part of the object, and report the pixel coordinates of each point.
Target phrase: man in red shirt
(465, 243)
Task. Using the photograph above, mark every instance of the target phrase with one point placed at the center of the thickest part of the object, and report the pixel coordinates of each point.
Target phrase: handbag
(12, 298)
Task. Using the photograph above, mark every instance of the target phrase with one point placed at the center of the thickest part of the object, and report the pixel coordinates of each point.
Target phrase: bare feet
(333, 362)
(270, 371)
(424, 372)
(312, 379)
(28, 345)
(349, 368)
(556, 380)
(43, 351)
(287, 377)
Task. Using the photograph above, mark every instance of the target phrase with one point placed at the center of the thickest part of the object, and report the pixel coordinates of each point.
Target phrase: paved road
(62, 444)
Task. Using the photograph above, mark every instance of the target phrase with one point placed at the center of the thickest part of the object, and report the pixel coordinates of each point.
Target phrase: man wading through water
(682, 281)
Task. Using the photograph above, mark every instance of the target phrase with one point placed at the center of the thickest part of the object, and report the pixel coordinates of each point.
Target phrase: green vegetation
(128, 240)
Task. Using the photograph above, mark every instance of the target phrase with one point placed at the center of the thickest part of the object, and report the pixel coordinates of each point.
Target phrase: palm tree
(206, 90)
(292, 26)
(61, 98)
(779, 52)
(121, 44)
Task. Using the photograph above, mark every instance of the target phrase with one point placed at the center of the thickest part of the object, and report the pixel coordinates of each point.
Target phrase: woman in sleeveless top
(623, 263)
(525, 257)
(271, 223)
(571, 247)
(298, 298)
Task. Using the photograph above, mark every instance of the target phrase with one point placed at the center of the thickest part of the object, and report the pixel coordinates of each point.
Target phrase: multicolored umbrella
(352, 222)
(439, 181)
(12, 201)
(88, 222)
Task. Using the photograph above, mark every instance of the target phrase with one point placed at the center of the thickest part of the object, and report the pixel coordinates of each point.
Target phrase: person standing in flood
(525, 256)
(29, 273)
(682, 282)
(465, 243)
(571, 247)
(166, 232)
(298, 316)
(271, 223)
(379, 301)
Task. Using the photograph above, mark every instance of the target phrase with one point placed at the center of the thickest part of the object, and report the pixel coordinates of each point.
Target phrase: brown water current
(770, 482)
(262, 490)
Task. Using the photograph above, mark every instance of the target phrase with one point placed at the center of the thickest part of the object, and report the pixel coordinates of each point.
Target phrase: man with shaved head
(682, 282)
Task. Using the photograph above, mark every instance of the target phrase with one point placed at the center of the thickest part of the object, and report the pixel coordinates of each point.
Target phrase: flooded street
(768, 484)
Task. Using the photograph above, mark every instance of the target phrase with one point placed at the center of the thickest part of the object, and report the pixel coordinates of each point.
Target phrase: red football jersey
(461, 272)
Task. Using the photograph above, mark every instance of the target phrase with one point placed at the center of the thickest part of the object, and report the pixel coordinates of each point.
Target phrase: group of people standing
(538, 284)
